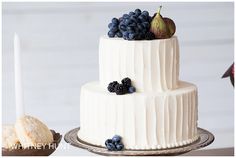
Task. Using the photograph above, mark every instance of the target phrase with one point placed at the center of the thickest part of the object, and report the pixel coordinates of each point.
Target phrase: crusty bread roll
(9, 137)
(32, 132)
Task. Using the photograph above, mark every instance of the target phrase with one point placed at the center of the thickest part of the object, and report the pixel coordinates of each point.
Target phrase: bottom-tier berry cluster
(143, 120)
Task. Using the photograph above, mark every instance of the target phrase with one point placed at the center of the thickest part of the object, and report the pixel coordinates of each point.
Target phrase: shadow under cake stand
(205, 139)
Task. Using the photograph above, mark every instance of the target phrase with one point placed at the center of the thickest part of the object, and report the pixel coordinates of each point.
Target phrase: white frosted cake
(162, 113)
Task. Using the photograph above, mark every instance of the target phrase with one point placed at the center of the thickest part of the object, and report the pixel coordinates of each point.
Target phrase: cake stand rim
(205, 139)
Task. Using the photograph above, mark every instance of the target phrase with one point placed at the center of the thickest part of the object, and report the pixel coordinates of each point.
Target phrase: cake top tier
(152, 65)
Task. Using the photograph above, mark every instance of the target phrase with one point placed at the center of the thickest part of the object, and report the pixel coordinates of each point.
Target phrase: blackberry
(126, 82)
(120, 89)
(149, 36)
(111, 86)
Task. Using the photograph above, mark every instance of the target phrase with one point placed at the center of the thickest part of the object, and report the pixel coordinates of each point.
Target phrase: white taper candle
(18, 78)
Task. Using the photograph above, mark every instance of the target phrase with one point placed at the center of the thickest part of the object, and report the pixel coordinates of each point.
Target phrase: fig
(159, 27)
(171, 26)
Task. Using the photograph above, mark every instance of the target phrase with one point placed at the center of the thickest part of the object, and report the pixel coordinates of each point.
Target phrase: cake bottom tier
(143, 120)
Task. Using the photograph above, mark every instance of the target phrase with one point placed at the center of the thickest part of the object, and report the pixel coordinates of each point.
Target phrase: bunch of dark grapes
(132, 26)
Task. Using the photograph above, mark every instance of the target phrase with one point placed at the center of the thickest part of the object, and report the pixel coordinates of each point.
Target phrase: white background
(60, 53)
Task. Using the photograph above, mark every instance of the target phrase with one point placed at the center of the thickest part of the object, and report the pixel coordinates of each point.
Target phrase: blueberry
(109, 25)
(133, 19)
(127, 22)
(111, 34)
(119, 146)
(111, 147)
(122, 27)
(131, 13)
(125, 16)
(119, 34)
(133, 25)
(116, 139)
(114, 29)
(132, 89)
(115, 21)
(108, 141)
(136, 30)
(145, 13)
(146, 25)
(125, 34)
(130, 28)
(142, 18)
(137, 12)
(131, 36)
(140, 27)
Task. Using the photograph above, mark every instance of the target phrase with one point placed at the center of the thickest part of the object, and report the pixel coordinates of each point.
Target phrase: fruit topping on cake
(114, 144)
(132, 26)
(139, 25)
(111, 86)
(123, 88)
(162, 27)
(120, 89)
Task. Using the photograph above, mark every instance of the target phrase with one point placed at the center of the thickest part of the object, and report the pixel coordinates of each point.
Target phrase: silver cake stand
(205, 139)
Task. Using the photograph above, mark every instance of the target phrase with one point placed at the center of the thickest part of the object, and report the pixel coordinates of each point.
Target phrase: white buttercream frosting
(152, 65)
(150, 120)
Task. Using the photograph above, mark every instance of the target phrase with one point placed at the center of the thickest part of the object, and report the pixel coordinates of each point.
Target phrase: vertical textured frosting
(153, 66)
(144, 120)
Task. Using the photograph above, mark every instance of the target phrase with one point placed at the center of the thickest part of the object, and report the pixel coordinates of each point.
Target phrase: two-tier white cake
(162, 113)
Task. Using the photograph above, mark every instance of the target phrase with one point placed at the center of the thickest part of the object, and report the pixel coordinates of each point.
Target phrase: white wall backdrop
(60, 53)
